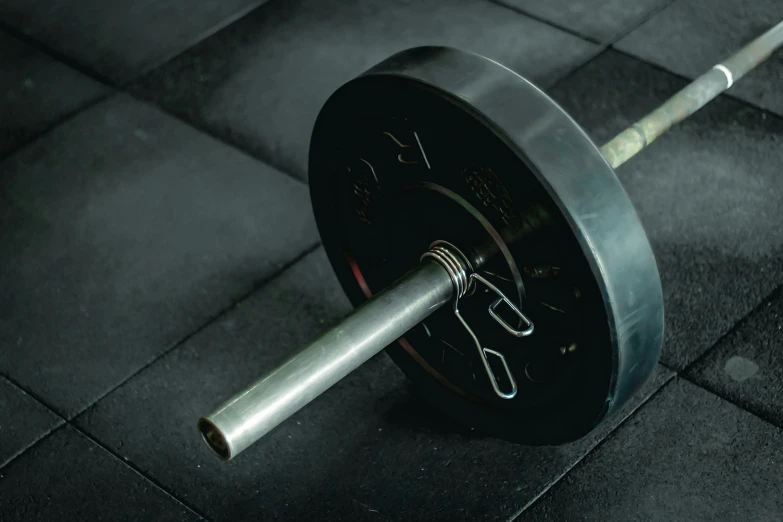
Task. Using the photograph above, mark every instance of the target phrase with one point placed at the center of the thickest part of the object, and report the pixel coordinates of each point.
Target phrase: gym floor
(157, 252)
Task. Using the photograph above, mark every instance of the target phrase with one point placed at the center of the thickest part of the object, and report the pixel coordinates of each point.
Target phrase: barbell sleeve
(254, 411)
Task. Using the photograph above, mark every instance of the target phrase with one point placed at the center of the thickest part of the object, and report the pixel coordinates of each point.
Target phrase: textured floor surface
(158, 251)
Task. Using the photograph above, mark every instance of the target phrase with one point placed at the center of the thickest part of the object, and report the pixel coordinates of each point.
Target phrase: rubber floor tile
(602, 20)
(747, 366)
(261, 82)
(686, 455)
(36, 92)
(121, 40)
(123, 231)
(23, 420)
(68, 477)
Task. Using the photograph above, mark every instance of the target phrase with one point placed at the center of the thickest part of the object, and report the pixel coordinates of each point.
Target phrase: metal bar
(696, 95)
(256, 410)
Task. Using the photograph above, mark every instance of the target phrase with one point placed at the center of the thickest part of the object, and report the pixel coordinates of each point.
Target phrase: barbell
(442, 177)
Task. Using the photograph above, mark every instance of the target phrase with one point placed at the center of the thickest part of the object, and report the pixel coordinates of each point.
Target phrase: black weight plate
(438, 144)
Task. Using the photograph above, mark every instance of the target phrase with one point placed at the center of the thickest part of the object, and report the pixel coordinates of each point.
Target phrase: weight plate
(438, 144)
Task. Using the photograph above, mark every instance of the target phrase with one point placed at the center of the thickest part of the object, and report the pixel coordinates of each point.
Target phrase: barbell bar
(459, 174)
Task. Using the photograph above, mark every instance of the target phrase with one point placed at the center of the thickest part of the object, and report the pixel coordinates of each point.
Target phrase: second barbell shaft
(693, 97)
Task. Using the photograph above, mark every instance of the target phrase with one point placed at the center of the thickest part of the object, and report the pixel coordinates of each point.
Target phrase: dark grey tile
(686, 455)
(691, 36)
(123, 231)
(120, 40)
(23, 420)
(368, 449)
(706, 193)
(36, 92)
(68, 477)
(602, 20)
(262, 81)
(747, 366)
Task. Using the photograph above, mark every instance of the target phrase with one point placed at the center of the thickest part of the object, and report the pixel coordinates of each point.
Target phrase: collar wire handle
(464, 279)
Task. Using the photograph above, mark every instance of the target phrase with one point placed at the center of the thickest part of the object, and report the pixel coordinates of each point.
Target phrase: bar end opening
(214, 438)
